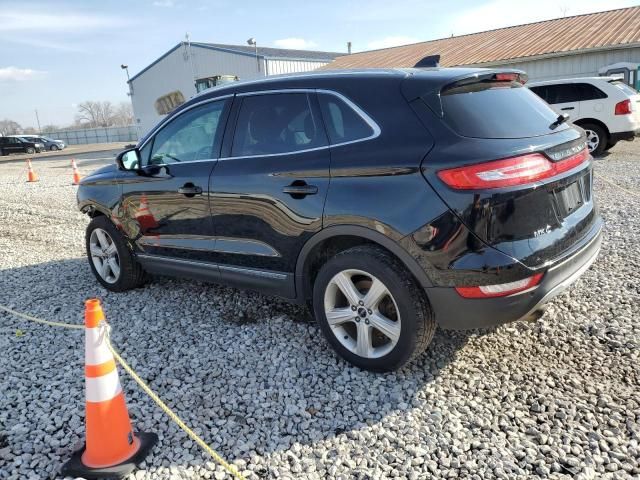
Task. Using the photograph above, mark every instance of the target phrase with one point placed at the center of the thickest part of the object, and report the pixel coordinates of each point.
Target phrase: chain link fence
(96, 135)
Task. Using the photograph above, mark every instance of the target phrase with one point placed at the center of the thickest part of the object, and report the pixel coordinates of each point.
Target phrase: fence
(96, 135)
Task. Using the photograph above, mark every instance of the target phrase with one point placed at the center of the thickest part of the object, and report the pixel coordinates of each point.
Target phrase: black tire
(417, 321)
(2, 154)
(53, 148)
(601, 134)
(131, 273)
(31, 150)
(610, 145)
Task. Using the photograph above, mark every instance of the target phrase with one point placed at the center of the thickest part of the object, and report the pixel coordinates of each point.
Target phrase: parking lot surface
(557, 398)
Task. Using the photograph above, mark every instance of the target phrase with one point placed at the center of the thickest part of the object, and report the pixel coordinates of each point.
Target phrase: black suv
(388, 201)
(10, 145)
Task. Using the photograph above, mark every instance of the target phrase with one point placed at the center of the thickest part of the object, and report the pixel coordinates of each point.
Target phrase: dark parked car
(387, 200)
(10, 145)
(49, 143)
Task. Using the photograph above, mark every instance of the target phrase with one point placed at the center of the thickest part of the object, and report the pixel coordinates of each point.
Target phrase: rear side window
(568, 92)
(492, 109)
(343, 123)
(276, 123)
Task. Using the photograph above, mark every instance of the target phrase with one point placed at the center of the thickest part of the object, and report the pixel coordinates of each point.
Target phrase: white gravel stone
(557, 398)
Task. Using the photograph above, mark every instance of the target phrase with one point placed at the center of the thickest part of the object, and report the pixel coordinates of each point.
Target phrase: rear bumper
(457, 313)
(628, 135)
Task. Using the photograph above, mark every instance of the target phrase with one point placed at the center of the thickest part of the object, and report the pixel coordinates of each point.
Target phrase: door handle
(299, 189)
(568, 108)
(190, 190)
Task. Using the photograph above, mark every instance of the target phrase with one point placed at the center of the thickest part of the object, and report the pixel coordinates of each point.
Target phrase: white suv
(605, 107)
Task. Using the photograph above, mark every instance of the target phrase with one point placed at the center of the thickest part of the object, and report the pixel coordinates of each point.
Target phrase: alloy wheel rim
(593, 140)
(104, 255)
(362, 313)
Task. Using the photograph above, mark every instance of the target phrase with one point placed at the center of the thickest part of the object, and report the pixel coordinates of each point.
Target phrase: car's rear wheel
(54, 148)
(110, 259)
(31, 150)
(597, 138)
(371, 310)
(610, 145)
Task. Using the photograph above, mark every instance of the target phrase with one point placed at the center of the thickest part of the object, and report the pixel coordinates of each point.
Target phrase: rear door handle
(568, 108)
(190, 190)
(300, 189)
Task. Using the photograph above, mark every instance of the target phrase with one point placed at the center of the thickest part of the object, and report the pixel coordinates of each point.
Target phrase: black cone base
(75, 468)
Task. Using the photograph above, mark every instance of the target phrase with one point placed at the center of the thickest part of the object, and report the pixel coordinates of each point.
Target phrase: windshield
(497, 109)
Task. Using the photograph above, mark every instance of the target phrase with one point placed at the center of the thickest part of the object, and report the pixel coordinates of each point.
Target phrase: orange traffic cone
(144, 216)
(76, 173)
(111, 450)
(31, 175)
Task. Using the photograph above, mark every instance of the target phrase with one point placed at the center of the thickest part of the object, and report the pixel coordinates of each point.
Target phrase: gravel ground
(557, 398)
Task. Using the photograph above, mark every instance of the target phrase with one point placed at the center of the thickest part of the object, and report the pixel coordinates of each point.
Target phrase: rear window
(624, 87)
(497, 109)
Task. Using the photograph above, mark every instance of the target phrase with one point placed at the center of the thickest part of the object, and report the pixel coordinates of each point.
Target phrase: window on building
(342, 122)
(193, 135)
(276, 123)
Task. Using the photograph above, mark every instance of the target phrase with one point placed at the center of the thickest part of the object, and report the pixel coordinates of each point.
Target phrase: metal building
(603, 43)
(172, 78)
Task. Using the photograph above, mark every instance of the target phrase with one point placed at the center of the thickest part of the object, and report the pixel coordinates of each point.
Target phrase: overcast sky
(54, 55)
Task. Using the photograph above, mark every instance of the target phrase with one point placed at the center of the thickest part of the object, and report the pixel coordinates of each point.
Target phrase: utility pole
(252, 41)
(38, 120)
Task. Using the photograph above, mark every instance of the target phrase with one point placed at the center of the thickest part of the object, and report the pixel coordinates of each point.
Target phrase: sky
(57, 54)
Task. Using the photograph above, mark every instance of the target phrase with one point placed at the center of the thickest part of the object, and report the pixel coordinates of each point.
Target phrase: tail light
(509, 172)
(623, 107)
(500, 290)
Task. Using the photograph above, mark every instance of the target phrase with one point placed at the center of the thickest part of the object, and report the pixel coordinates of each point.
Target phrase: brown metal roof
(594, 30)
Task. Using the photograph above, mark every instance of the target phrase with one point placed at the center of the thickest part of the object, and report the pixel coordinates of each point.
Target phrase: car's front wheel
(54, 148)
(110, 259)
(371, 310)
(31, 150)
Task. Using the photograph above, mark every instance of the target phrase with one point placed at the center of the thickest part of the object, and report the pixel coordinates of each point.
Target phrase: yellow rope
(39, 320)
(194, 436)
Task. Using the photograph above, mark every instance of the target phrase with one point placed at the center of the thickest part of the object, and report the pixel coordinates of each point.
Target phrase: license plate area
(570, 198)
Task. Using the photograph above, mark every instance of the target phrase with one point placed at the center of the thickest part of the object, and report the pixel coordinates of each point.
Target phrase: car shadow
(252, 374)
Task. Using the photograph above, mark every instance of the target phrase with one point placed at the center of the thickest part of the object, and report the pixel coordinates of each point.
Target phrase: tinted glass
(276, 123)
(497, 110)
(541, 91)
(188, 137)
(590, 92)
(342, 122)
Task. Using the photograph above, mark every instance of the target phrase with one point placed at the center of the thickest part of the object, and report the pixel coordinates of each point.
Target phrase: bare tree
(50, 128)
(9, 127)
(95, 114)
(29, 131)
(123, 115)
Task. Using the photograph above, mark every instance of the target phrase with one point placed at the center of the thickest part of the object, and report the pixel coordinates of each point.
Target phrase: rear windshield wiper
(563, 117)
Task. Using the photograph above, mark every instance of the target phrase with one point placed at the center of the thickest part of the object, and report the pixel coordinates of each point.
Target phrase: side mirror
(129, 160)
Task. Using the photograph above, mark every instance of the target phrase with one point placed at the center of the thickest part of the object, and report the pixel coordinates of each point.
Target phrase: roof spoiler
(428, 61)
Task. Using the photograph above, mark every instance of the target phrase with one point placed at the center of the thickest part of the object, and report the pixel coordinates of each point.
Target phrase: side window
(541, 91)
(342, 122)
(563, 93)
(276, 123)
(590, 92)
(193, 135)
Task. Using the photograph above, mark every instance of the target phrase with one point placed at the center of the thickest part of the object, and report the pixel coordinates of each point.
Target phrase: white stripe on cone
(95, 348)
(101, 389)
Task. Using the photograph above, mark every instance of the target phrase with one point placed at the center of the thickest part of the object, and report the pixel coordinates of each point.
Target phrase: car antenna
(428, 61)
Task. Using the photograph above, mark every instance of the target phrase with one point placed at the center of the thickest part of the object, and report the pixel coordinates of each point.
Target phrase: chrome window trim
(361, 113)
